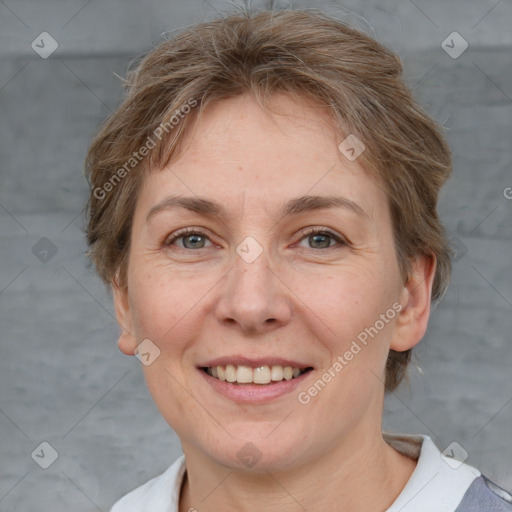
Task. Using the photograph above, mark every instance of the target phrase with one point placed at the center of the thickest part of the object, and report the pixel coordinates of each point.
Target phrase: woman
(263, 205)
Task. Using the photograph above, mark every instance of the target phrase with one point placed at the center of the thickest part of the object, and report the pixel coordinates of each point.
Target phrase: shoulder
(484, 495)
(441, 483)
(160, 494)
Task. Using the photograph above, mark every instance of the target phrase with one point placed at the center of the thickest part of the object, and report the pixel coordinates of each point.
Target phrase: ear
(127, 341)
(416, 295)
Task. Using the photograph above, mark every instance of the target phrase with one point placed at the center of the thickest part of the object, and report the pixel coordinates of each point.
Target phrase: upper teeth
(247, 375)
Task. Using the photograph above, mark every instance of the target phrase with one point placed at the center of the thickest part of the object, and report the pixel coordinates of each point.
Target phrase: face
(232, 268)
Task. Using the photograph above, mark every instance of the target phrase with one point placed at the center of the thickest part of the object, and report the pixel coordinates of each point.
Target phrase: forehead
(239, 128)
(239, 152)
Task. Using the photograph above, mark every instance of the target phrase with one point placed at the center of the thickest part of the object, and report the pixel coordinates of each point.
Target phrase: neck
(369, 477)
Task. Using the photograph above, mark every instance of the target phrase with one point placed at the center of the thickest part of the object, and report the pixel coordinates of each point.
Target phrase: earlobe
(412, 321)
(126, 342)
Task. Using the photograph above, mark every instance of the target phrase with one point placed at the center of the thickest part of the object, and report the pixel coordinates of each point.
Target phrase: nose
(254, 298)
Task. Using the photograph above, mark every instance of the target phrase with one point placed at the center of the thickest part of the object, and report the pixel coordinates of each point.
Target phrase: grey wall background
(62, 379)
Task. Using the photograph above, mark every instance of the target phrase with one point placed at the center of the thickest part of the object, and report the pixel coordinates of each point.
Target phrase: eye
(321, 238)
(191, 238)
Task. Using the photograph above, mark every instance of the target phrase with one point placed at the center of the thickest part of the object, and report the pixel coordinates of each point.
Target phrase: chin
(268, 453)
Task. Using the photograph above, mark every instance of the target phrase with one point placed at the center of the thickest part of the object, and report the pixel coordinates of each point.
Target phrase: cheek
(169, 306)
(158, 302)
(360, 317)
(353, 297)
(358, 310)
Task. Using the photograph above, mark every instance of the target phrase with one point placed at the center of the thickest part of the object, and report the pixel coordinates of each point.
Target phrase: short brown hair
(302, 52)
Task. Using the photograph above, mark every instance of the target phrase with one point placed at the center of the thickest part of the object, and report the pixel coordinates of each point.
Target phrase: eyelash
(305, 233)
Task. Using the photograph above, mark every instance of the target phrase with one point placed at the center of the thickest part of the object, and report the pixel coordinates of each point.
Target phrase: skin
(304, 297)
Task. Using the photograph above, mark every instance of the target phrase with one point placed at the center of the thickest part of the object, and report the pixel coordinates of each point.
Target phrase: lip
(254, 362)
(253, 393)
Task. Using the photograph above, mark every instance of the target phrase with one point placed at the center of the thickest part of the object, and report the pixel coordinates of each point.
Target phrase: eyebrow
(294, 206)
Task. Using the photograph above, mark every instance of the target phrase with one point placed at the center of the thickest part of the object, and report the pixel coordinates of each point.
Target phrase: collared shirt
(439, 483)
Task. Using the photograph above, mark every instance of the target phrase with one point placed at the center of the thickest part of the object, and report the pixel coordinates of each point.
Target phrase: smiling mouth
(263, 375)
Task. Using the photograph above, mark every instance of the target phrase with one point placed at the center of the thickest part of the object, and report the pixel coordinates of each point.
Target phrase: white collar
(434, 484)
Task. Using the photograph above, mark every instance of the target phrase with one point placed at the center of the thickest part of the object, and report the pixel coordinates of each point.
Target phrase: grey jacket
(485, 496)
